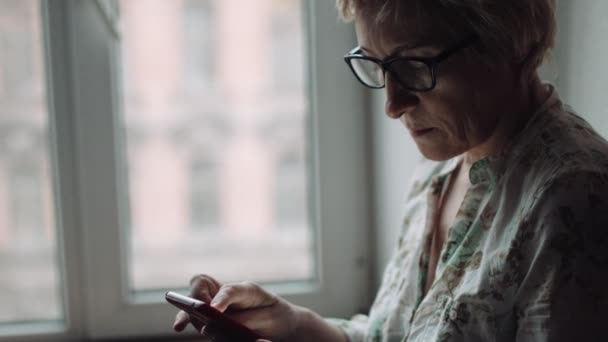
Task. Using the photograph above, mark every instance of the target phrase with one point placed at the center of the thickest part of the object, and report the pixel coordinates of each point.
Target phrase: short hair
(521, 30)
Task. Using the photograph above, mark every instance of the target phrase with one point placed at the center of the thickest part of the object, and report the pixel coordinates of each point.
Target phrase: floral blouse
(527, 256)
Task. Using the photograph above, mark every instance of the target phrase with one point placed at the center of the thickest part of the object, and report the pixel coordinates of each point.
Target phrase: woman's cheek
(452, 133)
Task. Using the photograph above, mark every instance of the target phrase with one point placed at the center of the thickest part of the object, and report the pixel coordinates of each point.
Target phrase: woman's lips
(420, 132)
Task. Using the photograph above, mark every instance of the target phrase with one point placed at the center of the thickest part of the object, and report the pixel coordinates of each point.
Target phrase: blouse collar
(491, 168)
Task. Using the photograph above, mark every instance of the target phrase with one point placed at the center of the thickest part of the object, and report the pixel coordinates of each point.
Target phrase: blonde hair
(521, 30)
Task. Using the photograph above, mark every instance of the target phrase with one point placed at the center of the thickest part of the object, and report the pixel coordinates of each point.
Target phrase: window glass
(215, 114)
(29, 274)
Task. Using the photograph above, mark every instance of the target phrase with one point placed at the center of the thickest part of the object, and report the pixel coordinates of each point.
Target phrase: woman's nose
(398, 99)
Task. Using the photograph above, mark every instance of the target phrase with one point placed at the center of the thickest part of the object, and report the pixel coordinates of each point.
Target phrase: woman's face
(464, 108)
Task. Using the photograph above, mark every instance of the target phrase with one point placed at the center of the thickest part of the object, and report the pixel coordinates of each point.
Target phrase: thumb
(263, 341)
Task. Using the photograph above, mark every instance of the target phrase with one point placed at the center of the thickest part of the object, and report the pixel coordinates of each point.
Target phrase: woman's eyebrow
(396, 50)
(366, 50)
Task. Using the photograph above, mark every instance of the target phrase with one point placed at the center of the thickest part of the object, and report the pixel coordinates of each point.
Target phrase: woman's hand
(247, 303)
(202, 287)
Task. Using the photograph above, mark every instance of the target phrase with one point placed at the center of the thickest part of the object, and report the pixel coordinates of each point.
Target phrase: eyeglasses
(412, 73)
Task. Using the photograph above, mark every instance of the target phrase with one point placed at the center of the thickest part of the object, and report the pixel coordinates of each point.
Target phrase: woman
(506, 229)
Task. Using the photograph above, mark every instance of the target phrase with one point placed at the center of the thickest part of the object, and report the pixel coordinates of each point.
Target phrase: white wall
(582, 58)
(394, 155)
(579, 68)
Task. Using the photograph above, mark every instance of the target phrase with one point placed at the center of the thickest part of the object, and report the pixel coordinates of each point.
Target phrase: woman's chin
(437, 153)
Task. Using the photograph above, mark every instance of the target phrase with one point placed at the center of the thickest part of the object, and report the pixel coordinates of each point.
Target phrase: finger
(242, 296)
(210, 334)
(204, 278)
(204, 287)
(205, 334)
(181, 321)
(263, 341)
(202, 294)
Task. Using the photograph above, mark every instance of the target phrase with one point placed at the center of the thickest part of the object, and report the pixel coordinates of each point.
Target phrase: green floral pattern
(527, 256)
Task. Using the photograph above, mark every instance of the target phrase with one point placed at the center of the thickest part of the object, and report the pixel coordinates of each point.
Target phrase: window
(30, 285)
(180, 137)
(204, 191)
(202, 156)
(199, 34)
(290, 197)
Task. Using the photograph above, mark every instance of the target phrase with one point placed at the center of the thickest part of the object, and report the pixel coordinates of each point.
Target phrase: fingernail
(214, 302)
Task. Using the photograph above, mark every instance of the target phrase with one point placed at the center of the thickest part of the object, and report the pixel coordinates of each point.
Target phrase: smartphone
(225, 328)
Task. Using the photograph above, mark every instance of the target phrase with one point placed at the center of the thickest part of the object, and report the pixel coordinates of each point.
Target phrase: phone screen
(223, 327)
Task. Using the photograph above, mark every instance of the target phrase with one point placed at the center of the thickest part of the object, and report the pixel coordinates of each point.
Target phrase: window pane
(215, 110)
(29, 275)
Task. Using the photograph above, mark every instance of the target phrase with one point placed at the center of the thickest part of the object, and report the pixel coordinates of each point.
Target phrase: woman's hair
(520, 30)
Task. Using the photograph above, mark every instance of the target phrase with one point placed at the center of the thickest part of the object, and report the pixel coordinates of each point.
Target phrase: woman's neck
(510, 124)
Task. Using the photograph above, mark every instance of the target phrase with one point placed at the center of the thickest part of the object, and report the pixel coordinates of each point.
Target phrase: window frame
(61, 150)
(83, 88)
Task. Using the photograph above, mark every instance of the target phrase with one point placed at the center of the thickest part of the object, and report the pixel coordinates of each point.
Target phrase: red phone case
(224, 327)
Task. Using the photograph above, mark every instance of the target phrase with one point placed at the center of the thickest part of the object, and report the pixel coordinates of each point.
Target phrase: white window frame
(82, 38)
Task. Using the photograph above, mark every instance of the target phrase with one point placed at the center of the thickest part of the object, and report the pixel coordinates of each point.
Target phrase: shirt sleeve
(354, 328)
(564, 296)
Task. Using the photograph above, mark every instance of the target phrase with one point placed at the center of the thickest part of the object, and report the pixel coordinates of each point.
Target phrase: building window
(204, 209)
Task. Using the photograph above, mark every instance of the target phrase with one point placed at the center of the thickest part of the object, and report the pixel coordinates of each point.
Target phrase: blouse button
(453, 315)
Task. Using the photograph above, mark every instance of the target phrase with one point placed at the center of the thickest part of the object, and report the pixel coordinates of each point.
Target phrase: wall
(579, 70)
(394, 155)
(581, 55)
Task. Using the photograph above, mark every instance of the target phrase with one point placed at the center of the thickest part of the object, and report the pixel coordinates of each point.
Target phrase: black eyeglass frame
(430, 62)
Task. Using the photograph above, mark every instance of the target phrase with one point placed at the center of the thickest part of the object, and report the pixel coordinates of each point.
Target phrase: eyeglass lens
(410, 73)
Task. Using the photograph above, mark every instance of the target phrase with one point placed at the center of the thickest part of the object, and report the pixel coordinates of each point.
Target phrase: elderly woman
(505, 235)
